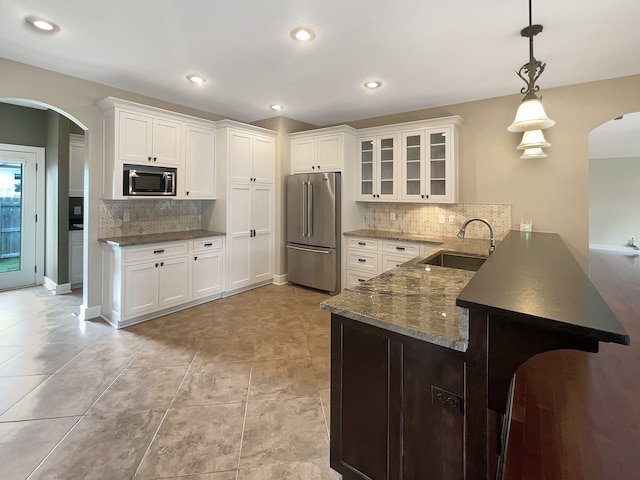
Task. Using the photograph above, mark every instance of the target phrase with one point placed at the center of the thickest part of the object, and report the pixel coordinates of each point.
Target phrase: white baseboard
(613, 248)
(54, 288)
(87, 313)
(280, 279)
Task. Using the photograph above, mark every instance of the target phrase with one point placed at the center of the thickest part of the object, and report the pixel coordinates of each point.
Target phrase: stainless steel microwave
(140, 180)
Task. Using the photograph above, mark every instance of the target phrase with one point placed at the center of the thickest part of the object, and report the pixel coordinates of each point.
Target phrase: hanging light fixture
(531, 115)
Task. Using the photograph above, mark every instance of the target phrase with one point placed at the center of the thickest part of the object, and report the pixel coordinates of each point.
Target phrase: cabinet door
(75, 263)
(240, 162)
(239, 237)
(262, 224)
(140, 288)
(135, 138)
(207, 274)
(387, 168)
(303, 155)
(166, 142)
(77, 153)
(330, 153)
(173, 283)
(263, 158)
(441, 171)
(200, 162)
(366, 169)
(413, 176)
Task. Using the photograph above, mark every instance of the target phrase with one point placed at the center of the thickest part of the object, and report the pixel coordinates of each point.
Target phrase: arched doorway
(39, 214)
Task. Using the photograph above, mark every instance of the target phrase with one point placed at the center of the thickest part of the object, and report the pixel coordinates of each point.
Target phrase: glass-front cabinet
(378, 168)
(428, 167)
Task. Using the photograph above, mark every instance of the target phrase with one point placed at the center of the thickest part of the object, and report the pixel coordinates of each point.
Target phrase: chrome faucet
(461, 233)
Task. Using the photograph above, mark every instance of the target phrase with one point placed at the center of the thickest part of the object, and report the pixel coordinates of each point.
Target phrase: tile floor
(236, 389)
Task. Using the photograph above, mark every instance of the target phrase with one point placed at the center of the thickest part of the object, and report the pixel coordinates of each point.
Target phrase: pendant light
(531, 116)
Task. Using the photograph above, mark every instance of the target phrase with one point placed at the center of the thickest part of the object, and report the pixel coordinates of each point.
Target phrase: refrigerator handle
(305, 187)
(310, 209)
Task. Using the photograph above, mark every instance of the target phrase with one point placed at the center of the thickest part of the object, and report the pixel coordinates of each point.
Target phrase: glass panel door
(438, 163)
(10, 217)
(366, 167)
(387, 166)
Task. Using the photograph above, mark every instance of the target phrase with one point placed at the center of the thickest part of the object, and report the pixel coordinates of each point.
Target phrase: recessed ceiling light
(372, 85)
(197, 79)
(302, 34)
(276, 107)
(42, 25)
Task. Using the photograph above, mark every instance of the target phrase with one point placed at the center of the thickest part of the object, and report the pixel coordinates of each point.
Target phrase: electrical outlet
(126, 217)
(452, 219)
(441, 218)
(393, 215)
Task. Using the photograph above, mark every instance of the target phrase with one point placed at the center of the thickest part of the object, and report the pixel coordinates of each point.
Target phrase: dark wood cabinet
(396, 405)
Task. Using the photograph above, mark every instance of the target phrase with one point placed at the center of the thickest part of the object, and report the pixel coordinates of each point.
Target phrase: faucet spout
(462, 231)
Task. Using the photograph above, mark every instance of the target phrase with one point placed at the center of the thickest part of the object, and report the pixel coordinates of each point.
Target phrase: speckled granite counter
(413, 299)
(159, 238)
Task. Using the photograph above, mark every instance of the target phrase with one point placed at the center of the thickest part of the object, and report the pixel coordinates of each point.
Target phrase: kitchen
(490, 171)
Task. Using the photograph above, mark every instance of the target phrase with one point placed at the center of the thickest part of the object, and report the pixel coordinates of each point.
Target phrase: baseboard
(87, 313)
(56, 289)
(613, 248)
(280, 279)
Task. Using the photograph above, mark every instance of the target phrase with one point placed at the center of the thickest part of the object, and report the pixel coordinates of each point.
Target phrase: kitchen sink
(461, 261)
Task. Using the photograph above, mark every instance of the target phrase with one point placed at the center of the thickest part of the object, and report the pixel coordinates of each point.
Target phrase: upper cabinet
(378, 167)
(141, 135)
(250, 154)
(410, 162)
(77, 154)
(145, 139)
(322, 150)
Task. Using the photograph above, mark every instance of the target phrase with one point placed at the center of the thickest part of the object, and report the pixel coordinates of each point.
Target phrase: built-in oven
(141, 180)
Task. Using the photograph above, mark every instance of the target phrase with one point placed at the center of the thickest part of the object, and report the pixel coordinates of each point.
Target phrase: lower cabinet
(396, 405)
(76, 258)
(142, 282)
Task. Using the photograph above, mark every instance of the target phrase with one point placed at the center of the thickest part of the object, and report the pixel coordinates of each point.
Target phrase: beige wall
(555, 188)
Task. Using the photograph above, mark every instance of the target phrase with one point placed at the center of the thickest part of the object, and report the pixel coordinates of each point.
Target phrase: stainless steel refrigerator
(313, 230)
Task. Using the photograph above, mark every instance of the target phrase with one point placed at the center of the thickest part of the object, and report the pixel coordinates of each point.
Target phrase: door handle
(312, 250)
(310, 209)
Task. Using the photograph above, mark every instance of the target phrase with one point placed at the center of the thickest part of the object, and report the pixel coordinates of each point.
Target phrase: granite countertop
(150, 238)
(414, 299)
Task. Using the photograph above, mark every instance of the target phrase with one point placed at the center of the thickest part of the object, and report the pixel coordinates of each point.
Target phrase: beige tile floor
(235, 389)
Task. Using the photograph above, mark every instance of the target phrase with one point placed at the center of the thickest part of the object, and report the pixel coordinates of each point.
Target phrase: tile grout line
(163, 417)
(244, 419)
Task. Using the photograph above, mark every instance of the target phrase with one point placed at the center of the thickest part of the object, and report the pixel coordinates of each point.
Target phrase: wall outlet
(441, 218)
(393, 215)
(452, 219)
(126, 217)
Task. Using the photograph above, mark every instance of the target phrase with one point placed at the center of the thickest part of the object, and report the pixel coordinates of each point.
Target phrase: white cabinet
(76, 258)
(207, 266)
(322, 150)
(143, 282)
(367, 257)
(378, 167)
(251, 157)
(143, 139)
(77, 155)
(199, 162)
(250, 249)
(429, 166)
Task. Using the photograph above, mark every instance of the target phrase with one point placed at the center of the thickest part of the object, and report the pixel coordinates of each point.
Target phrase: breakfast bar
(423, 357)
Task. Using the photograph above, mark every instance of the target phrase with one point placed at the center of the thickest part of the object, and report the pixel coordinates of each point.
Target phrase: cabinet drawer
(367, 261)
(159, 250)
(362, 244)
(391, 261)
(75, 236)
(355, 277)
(401, 248)
(207, 244)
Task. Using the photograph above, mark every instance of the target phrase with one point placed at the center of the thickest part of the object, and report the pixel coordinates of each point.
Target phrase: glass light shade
(533, 139)
(531, 116)
(533, 153)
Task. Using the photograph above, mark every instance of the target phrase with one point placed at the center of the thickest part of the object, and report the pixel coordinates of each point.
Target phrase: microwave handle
(170, 182)
(132, 174)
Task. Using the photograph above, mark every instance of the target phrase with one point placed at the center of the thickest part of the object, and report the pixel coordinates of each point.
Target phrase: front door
(19, 200)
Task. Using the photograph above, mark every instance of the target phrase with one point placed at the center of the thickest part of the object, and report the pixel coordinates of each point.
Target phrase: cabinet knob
(187, 193)
(162, 264)
(155, 158)
(313, 167)
(195, 258)
(157, 265)
(149, 159)
(318, 167)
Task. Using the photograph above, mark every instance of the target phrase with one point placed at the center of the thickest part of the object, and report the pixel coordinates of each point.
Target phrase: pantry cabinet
(251, 157)
(322, 150)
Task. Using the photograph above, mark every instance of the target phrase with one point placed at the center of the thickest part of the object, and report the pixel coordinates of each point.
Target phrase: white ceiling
(426, 53)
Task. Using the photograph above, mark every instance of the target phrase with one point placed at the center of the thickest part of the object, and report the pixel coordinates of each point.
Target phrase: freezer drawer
(314, 267)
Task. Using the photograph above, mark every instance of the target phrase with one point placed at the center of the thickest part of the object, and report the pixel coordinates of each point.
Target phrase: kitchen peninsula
(420, 386)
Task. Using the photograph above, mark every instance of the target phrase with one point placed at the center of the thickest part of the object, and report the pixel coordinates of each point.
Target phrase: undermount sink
(461, 261)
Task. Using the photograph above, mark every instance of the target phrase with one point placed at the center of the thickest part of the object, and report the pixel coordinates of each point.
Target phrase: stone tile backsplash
(424, 219)
(148, 216)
